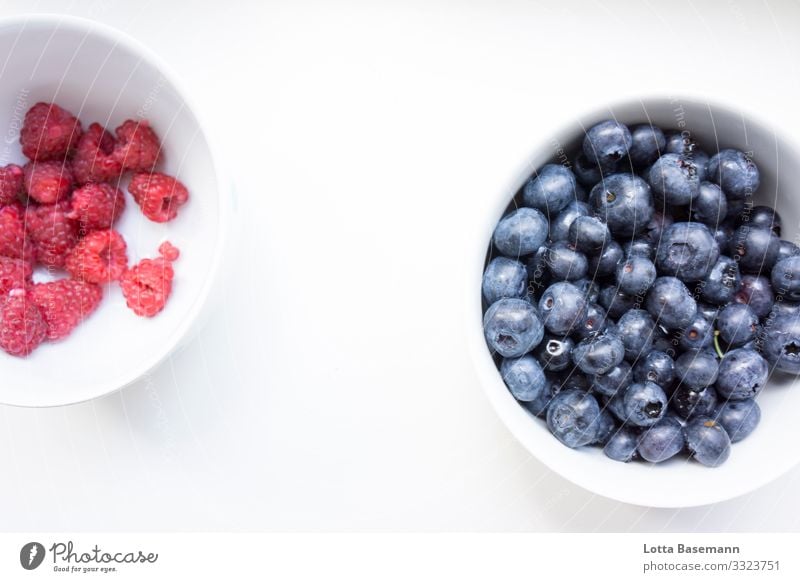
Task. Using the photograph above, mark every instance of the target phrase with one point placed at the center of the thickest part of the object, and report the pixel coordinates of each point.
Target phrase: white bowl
(102, 75)
(765, 455)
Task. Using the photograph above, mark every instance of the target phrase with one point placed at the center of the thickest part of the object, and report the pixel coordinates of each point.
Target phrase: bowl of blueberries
(640, 303)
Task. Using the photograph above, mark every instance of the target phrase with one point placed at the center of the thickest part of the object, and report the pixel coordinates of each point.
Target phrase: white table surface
(334, 391)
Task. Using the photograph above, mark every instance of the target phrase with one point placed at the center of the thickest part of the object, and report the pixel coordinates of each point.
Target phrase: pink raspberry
(159, 196)
(14, 242)
(138, 147)
(94, 159)
(22, 327)
(96, 206)
(51, 233)
(148, 284)
(14, 274)
(48, 182)
(11, 178)
(64, 304)
(49, 132)
(101, 256)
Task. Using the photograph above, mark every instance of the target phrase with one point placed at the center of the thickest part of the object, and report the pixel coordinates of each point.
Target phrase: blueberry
(645, 403)
(563, 307)
(524, 377)
(756, 249)
(598, 354)
(622, 445)
(697, 369)
(607, 142)
(572, 418)
(688, 402)
(589, 173)
(674, 179)
(685, 145)
(670, 303)
(538, 406)
(664, 341)
(636, 329)
(504, 278)
(521, 233)
(588, 234)
(647, 143)
(739, 418)
(559, 225)
(787, 249)
(624, 201)
(757, 293)
(551, 189)
(786, 278)
(661, 441)
(639, 247)
(512, 327)
(722, 282)
(593, 324)
(606, 427)
(687, 251)
(565, 263)
(781, 342)
(710, 205)
(735, 172)
(723, 235)
(737, 209)
(707, 441)
(654, 230)
(656, 367)
(636, 275)
(538, 275)
(554, 353)
(698, 334)
(615, 302)
(742, 374)
(708, 311)
(574, 380)
(605, 262)
(616, 406)
(737, 324)
(590, 289)
(765, 217)
(615, 380)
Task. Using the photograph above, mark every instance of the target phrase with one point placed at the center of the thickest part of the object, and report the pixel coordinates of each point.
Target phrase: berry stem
(720, 353)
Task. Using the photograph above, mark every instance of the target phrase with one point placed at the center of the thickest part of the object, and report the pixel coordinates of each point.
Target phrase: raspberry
(22, 327)
(96, 206)
(158, 195)
(99, 257)
(138, 146)
(49, 132)
(48, 182)
(11, 177)
(64, 304)
(14, 242)
(14, 274)
(148, 284)
(94, 160)
(51, 233)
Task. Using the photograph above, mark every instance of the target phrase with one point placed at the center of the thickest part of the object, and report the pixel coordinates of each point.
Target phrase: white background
(334, 391)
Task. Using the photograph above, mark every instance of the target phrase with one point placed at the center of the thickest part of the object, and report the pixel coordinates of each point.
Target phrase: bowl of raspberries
(640, 303)
(110, 212)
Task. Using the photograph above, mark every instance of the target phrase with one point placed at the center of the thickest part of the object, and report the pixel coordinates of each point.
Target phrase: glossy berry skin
(538, 406)
(615, 302)
(785, 278)
(722, 282)
(622, 445)
(707, 441)
(605, 261)
(554, 353)
(572, 417)
(756, 249)
(538, 275)
(635, 275)
(688, 402)
(563, 307)
(656, 367)
(588, 234)
(647, 143)
(590, 289)
(654, 230)
(607, 142)
(550, 190)
(739, 418)
(565, 263)
(617, 379)
(765, 217)
(723, 235)
(624, 201)
(787, 249)
(674, 179)
(606, 427)
(588, 173)
(593, 324)
(524, 377)
(687, 251)
(599, 354)
(521, 233)
(504, 277)
(742, 374)
(636, 329)
(639, 247)
(734, 172)
(710, 205)
(698, 334)
(645, 403)
(737, 324)
(781, 345)
(662, 441)
(670, 303)
(512, 327)
(697, 369)
(756, 291)
(559, 225)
